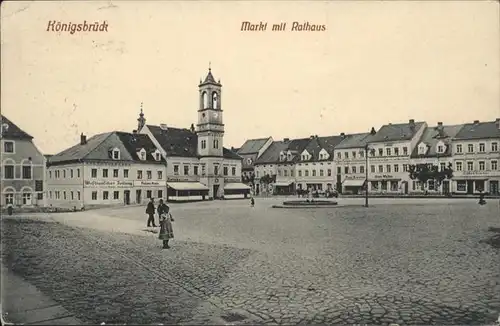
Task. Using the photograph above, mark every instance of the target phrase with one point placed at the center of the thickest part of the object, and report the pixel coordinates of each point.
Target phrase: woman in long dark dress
(166, 230)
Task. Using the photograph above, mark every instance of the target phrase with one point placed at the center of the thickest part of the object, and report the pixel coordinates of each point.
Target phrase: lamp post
(367, 148)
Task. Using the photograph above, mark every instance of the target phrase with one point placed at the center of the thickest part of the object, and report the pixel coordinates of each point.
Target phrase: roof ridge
(100, 143)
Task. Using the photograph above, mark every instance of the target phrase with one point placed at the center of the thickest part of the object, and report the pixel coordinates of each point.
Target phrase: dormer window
(289, 156)
(115, 154)
(422, 149)
(440, 149)
(142, 154)
(157, 156)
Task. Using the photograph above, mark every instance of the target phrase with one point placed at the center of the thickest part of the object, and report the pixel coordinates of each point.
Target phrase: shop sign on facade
(108, 183)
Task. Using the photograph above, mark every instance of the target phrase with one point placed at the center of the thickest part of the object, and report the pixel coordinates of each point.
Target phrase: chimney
(373, 132)
(192, 128)
(232, 149)
(412, 124)
(497, 121)
(83, 139)
(476, 122)
(134, 132)
(440, 126)
(312, 136)
(286, 140)
(342, 135)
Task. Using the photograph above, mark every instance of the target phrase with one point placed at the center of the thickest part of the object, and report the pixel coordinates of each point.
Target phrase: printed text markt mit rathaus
(296, 27)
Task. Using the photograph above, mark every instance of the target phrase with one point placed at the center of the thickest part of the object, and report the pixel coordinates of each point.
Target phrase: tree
(427, 172)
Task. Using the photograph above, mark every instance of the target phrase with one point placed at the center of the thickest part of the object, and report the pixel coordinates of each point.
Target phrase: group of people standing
(165, 220)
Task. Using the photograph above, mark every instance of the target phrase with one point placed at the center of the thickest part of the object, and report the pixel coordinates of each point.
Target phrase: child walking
(166, 230)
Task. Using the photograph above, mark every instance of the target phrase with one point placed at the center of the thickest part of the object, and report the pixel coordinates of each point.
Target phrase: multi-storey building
(22, 167)
(476, 157)
(266, 167)
(350, 162)
(107, 169)
(315, 168)
(198, 166)
(250, 151)
(434, 148)
(286, 182)
(389, 156)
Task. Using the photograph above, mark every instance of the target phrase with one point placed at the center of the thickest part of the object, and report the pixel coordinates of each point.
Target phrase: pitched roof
(176, 141)
(479, 130)
(298, 145)
(272, 153)
(210, 79)
(245, 164)
(432, 136)
(329, 143)
(252, 146)
(98, 147)
(395, 132)
(11, 131)
(227, 153)
(354, 141)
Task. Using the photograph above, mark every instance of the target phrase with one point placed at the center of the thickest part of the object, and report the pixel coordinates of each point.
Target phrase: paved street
(406, 261)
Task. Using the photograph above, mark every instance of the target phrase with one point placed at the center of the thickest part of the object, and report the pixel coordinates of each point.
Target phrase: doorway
(126, 197)
(446, 187)
(138, 196)
(494, 187)
(470, 187)
(216, 191)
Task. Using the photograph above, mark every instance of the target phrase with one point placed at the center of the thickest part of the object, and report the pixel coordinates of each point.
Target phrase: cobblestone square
(399, 261)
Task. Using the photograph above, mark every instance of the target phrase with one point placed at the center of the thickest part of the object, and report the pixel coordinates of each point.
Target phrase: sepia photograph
(250, 162)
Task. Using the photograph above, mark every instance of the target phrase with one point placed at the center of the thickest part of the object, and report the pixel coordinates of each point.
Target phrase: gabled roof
(329, 143)
(354, 141)
(176, 141)
(396, 132)
(229, 154)
(99, 147)
(11, 131)
(272, 153)
(479, 130)
(432, 136)
(245, 164)
(252, 146)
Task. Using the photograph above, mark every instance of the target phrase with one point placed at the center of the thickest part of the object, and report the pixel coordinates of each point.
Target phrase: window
(143, 155)
(440, 149)
(125, 173)
(372, 168)
(50, 174)
(158, 156)
(459, 166)
(461, 185)
(405, 167)
(9, 199)
(72, 195)
(64, 174)
(481, 165)
(216, 143)
(116, 154)
(481, 147)
(300, 173)
(362, 154)
(321, 173)
(291, 173)
(216, 170)
(26, 198)
(353, 154)
(396, 151)
(115, 173)
(339, 170)
(94, 195)
(139, 174)
(105, 195)
(8, 147)
(346, 170)
(470, 166)
(380, 169)
(279, 172)
(339, 155)
(78, 195)
(313, 173)
(71, 173)
(353, 169)
(394, 186)
(203, 170)
(306, 173)
(160, 175)
(494, 147)
(362, 169)
(203, 144)
(405, 150)
(388, 151)
(285, 173)
(186, 169)
(459, 148)
(380, 152)
(160, 193)
(195, 170)
(388, 168)
(470, 148)
(104, 173)
(431, 185)
(77, 173)
(494, 165)
(149, 175)
(149, 194)
(396, 168)
(329, 172)
(374, 185)
(8, 172)
(383, 185)
(442, 166)
(27, 172)
(176, 170)
(94, 173)
(346, 154)
(225, 170)
(233, 171)
(116, 195)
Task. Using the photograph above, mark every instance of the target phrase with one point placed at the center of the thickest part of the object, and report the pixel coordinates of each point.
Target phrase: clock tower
(210, 128)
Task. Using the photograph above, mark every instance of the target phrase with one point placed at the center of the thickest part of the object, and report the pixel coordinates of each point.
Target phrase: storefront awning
(353, 183)
(236, 186)
(283, 183)
(187, 186)
(469, 178)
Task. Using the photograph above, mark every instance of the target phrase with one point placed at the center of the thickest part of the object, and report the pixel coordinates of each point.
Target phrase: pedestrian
(162, 208)
(10, 208)
(166, 230)
(252, 202)
(150, 210)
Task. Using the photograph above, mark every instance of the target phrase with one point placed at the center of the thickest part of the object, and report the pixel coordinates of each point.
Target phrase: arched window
(214, 100)
(205, 100)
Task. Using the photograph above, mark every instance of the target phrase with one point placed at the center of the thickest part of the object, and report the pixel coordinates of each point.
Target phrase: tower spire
(209, 66)
(141, 121)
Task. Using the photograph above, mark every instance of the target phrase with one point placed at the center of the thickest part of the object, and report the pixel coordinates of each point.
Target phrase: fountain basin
(307, 204)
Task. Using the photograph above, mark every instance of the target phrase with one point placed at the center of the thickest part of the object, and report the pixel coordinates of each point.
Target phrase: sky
(376, 62)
